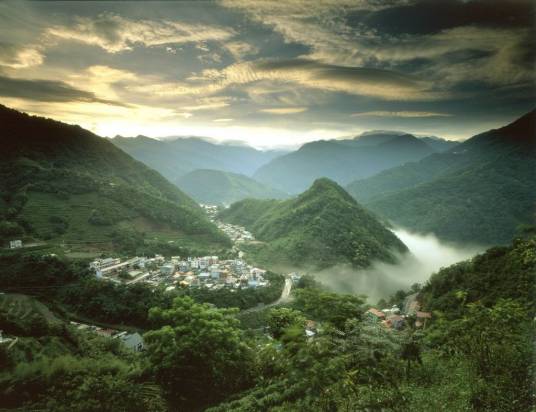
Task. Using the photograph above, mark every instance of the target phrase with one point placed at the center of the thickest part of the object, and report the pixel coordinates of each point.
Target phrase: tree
(496, 341)
(198, 354)
(68, 383)
(328, 306)
(279, 320)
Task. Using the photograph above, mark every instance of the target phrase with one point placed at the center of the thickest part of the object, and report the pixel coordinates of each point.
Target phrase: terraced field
(45, 212)
(42, 207)
(21, 307)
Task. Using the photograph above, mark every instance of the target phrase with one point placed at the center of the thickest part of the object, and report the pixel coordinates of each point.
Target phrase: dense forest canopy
(482, 190)
(322, 227)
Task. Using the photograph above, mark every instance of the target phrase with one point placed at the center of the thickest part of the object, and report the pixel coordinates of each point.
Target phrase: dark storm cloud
(47, 91)
(432, 16)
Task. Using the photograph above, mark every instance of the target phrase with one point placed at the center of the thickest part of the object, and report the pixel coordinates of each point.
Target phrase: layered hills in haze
(223, 188)
(482, 190)
(61, 182)
(322, 227)
(342, 160)
(175, 157)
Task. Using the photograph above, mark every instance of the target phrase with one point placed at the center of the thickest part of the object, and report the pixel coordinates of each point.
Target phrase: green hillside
(473, 354)
(341, 160)
(505, 272)
(63, 184)
(322, 227)
(482, 190)
(223, 188)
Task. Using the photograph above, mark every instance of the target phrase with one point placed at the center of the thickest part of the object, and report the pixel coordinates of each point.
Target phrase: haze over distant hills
(322, 227)
(482, 190)
(342, 160)
(176, 157)
(63, 183)
(223, 188)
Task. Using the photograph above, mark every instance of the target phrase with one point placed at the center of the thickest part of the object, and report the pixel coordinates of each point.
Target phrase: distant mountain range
(223, 188)
(322, 227)
(482, 190)
(63, 183)
(344, 160)
(174, 158)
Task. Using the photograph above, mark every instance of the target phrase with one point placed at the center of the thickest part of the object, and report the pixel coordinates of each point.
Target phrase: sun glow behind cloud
(278, 73)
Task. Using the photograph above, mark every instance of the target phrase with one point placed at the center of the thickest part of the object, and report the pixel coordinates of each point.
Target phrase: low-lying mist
(427, 255)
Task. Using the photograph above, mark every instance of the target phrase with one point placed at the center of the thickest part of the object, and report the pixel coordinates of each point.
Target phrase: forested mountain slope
(63, 183)
(223, 188)
(482, 190)
(341, 160)
(175, 157)
(322, 227)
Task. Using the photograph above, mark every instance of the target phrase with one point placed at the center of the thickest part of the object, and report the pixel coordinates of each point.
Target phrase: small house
(421, 318)
(132, 341)
(375, 314)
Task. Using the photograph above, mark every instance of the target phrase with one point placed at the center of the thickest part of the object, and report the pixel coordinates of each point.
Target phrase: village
(395, 318)
(237, 234)
(209, 272)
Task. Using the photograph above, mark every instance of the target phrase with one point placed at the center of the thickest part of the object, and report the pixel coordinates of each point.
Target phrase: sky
(270, 73)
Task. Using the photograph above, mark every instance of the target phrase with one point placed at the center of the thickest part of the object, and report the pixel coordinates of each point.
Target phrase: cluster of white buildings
(206, 271)
(191, 272)
(15, 244)
(237, 234)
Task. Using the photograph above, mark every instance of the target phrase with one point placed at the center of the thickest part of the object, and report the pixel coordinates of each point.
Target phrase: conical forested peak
(322, 227)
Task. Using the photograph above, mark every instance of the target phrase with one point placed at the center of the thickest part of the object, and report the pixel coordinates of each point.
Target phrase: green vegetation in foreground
(474, 355)
(483, 190)
(350, 364)
(216, 187)
(65, 185)
(322, 227)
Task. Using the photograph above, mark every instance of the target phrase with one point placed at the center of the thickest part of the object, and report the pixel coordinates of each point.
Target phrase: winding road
(285, 297)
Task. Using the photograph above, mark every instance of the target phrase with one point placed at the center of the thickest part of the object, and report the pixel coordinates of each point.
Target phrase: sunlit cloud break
(284, 110)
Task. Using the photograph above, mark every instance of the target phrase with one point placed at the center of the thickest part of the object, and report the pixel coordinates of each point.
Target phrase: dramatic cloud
(241, 49)
(400, 114)
(19, 58)
(114, 33)
(47, 91)
(384, 84)
(284, 110)
(209, 103)
(296, 69)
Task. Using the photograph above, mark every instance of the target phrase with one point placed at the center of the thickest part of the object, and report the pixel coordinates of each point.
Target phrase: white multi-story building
(15, 244)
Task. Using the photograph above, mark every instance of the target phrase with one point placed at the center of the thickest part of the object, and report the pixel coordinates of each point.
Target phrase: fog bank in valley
(427, 255)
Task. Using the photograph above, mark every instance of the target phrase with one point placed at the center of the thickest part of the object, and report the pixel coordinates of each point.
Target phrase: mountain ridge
(340, 160)
(223, 188)
(176, 157)
(65, 183)
(482, 190)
